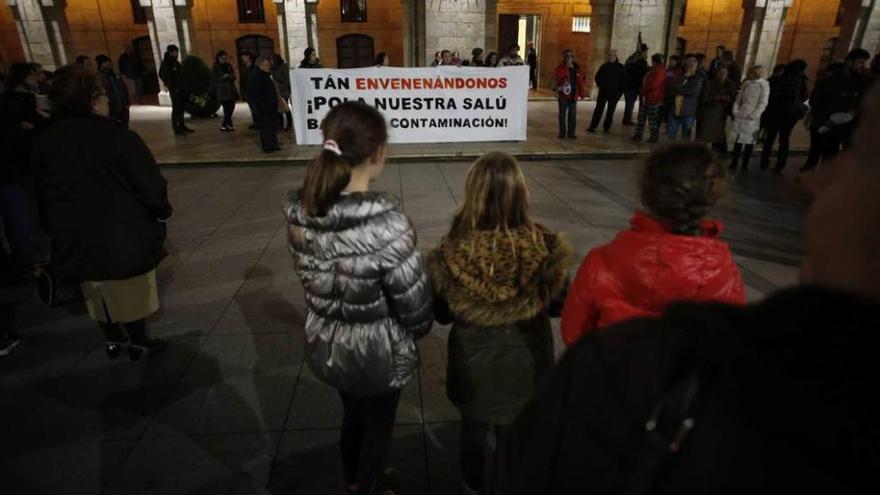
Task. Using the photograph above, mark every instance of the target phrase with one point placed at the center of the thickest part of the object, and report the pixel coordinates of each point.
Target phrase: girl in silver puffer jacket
(366, 288)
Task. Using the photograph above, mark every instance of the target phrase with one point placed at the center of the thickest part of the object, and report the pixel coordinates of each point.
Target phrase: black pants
(772, 130)
(367, 428)
(122, 115)
(602, 101)
(630, 97)
(178, 101)
(742, 150)
(228, 110)
(815, 153)
(473, 451)
(268, 132)
(567, 116)
(137, 331)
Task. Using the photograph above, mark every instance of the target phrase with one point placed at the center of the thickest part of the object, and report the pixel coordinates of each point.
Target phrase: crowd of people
(716, 105)
(667, 372)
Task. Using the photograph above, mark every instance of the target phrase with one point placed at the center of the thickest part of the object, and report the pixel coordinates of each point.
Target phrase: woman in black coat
(223, 87)
(610, 79)
(786, 107)
(263, 95)
(106, 205)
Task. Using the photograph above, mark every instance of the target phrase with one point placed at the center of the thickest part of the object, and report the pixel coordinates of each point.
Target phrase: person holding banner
(570, 87)
(263, 94)
(512, 57)
(310, 59)
(368, 294)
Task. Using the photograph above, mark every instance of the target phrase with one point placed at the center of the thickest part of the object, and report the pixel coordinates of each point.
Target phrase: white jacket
(747, 110)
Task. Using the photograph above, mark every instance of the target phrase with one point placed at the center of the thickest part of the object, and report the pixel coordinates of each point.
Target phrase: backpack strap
(665, 430)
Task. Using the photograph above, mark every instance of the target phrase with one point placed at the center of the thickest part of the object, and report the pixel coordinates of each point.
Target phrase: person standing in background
(570, 87)
(263, 95)
(532, 61)
(477, 57)
(653, 94)
(246, 69)
(281, 76)
(512, 57)
(685, 98)
(716, 101)
(223, 86)
(716, 62)
(750, 105)
(170, 73)
(382, 59)
(491, 60)
(117, 91)
(787, 106)
(636, 67)
(610, 78)
(132, 69)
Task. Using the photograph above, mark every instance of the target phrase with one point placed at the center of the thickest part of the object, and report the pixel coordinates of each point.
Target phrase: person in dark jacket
(172, 78)
(310, 59)
(776, 397)
(132, 69)
(610, 78)
(498, 278)
(106, 205)
(263, 95)
(117, 91)
(281, 76)
(477, 57)
(716, 102)
(630, 277)
(685, 96)
(532, 62)
(636, 68)
(246, 69)
(834, 104)
(223, 87)
(20, 121)
(788, 95)
(368, 294)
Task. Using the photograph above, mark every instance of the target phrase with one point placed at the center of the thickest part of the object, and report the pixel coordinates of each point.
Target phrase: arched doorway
(259, 45)
(354, 50)
(143, 48)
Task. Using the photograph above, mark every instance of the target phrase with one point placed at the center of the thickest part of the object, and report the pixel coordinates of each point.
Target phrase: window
(257, 45)
(354, 50)
(138, 13)
(251, 12)
(580, 24)
(353, 10)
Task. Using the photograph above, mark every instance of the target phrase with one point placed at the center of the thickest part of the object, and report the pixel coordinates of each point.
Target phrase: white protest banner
(422, 105)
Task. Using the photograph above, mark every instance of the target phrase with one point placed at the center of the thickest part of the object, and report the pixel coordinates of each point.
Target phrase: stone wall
(10, 43)
(456, 25)
(101, 27)
(808, 27)
(556, 34)
(709, 23)
(384, 24)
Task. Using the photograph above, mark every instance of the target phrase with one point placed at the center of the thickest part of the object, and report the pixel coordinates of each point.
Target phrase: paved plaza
(209, 146)
(230, 408)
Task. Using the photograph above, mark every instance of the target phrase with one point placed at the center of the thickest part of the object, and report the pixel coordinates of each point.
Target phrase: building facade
(349, 33)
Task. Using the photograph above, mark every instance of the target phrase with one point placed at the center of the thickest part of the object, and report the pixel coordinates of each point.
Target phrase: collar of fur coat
(492, 278)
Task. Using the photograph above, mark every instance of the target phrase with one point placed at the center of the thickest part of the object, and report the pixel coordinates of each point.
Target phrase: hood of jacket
(648, 266)
(492, 278)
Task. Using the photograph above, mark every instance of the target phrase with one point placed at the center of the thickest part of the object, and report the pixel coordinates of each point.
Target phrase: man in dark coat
(786, 106)
(610, 78)
(835, 100)
(132, 69)
(116, 90)
(172, 77)
(636, 68)
(263, 95)
(778, 397)
(246, 69)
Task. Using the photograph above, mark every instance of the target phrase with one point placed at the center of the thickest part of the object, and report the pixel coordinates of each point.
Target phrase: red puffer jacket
(643, 270)
(654, 86)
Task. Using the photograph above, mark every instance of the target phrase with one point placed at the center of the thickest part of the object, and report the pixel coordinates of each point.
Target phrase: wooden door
(508, 32)
(354, 50)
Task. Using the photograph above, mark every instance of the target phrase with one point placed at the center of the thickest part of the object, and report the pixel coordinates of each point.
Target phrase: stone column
(491, 27)
(860, 27)
(761, 32)
(454, 25)
(169, 23)
(42, 27)
(297, 27)
(601, 30)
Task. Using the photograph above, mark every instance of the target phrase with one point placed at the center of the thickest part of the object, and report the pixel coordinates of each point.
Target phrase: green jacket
(498, 291)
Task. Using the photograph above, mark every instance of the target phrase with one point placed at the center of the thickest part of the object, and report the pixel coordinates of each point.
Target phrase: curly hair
(681, 184)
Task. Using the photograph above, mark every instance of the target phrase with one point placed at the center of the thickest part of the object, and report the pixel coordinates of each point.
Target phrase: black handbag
(55, 291)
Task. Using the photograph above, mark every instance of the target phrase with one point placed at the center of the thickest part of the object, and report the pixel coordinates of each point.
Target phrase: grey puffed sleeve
(405, 279)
